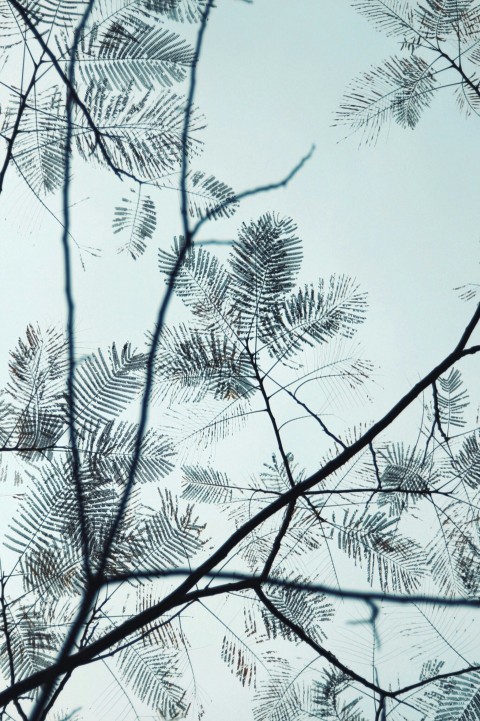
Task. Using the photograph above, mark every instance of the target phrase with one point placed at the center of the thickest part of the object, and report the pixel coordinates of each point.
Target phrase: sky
(399, 216)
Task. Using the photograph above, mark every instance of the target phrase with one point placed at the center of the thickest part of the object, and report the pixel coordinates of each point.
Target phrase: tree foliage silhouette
(380, 525)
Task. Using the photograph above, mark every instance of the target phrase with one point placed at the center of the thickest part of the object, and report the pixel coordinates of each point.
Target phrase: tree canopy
(327, 590)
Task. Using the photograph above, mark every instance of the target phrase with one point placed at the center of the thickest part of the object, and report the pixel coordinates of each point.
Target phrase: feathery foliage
(403, 86)
(99, 523)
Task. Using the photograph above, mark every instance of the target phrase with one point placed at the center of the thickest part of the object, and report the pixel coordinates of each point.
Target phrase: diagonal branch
(320, 650)
(16, 127)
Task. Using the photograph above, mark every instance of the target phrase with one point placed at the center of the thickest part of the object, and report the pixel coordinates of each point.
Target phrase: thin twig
(321, 650)
(436, 410)
(44, 697)
(150, 364)
(253, 580)
(8, 645)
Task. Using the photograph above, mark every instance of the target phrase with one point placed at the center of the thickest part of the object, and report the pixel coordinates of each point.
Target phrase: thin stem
(150, 365)
(320, 650)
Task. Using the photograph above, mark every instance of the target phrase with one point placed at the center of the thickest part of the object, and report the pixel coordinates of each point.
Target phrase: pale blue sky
(400, 217)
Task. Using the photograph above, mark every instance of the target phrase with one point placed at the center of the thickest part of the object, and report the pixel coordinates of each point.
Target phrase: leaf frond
(136, 218)
(400, 90)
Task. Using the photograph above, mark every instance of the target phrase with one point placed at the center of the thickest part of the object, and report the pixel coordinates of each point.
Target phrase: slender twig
(436, 410)
(252, 581)
(256, 191)
(314, 415)
(71, 392)
(89, 593)
(381, 714)
(320, 650)
(150, 364)
(16, 127)
(8, 646)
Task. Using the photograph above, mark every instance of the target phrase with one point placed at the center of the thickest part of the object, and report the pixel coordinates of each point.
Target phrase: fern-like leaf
(110, 449)
(10, 33)
(178, 10)
(400, 89)
(132, 50)
(441, 18)
(202, 283)
(56, 13)
(407, 476)
(150, 671)
(453, 554)
(192, 364)
(331, 702)
(137, 219)
(35, 393)
(313, 315)
(371, 541)
(105, 386)
(283, 697)
(310, 611)
(33, 644)
(206, 485)
(142, 135)
(460, 699)
(452, 400)
(393, 17)
(169, 537)
(264, 264)
(467, 461)
(39, 151)
(240, 659)
(206, 195)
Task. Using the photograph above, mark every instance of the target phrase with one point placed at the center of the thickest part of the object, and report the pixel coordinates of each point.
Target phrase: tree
(377, 528)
